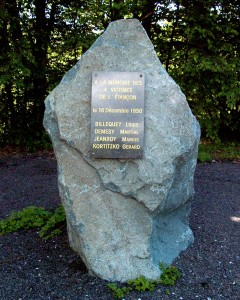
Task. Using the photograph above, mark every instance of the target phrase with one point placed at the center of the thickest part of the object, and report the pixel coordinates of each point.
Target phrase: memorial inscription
(117, 115)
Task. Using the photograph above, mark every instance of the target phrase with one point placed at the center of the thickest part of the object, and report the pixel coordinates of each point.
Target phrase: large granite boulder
(125, 216)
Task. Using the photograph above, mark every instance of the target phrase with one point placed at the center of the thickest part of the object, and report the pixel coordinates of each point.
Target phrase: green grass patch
(119, 292)
(48, 222)
(142, 284)
(168, 277)
(208, 151)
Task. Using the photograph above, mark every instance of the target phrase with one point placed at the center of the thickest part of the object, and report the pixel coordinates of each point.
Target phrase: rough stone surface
(125, 216)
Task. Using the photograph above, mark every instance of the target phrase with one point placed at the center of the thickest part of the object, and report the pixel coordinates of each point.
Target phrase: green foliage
(168, 292)
(27, 218)
(51, 227)
(119, 292)
(169, 275)
(203, 156)
(197, 41)
(142, 284)
(34, 217)
(33, 145)
(202, 55)
(209, 151)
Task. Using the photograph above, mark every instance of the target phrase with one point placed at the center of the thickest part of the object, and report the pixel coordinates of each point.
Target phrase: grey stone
(125, 216)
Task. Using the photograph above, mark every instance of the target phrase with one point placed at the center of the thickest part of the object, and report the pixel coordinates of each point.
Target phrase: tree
(37, 50)
(197, 41)
(200, 46)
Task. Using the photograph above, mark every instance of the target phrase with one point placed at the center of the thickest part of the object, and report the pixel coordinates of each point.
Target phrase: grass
(168, 277)
(49, 222)
(209, 151)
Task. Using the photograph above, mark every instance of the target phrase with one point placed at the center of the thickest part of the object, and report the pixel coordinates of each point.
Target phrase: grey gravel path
(33, 269)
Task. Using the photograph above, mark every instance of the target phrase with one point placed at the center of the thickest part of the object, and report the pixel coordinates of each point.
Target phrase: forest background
(197, 42)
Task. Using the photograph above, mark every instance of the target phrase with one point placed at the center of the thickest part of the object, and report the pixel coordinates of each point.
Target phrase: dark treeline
(197, 42)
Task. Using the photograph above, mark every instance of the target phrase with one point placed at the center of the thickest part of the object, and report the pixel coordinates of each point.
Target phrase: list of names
(117, 115)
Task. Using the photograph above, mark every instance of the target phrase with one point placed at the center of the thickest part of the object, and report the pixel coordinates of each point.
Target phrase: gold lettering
(130, 139)
(119, 82)
(106, 146)
(130, 131)
(108, 124)
(105, 139)
(136, 82)
(131, 147)
(117, 110)
(104, 131)
(121, 90)
(132, 124)
(125, 97)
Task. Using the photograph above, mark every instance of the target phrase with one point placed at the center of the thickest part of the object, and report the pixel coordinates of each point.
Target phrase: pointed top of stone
(124, 46)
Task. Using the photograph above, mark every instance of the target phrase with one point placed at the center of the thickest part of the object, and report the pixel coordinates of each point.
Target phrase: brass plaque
(117, 115)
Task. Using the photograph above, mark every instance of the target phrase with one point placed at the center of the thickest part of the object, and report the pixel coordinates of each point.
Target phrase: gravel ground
(31, 268)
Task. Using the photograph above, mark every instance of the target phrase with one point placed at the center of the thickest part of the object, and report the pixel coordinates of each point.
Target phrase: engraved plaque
(117, 115)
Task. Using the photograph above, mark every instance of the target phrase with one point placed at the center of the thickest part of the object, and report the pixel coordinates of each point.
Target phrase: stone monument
(126, 146)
